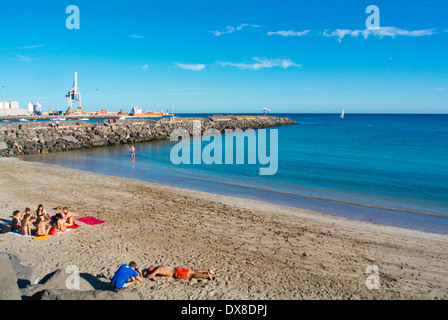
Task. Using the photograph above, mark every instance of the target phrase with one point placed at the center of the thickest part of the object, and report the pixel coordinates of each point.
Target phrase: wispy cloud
(33, 47)
(289, 33)
(230, 29)
(21, 58)
(194, 67)
(134, 36)
(263, 63)
(433, 89)
(145, 67)
(379, 33)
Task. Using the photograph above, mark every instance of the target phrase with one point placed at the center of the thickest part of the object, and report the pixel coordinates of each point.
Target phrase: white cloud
(218, 33)
(21, 58)
(134, 36)
(289, 33)
(341, 33)
(262, 63)
(145, 67)
(33, 47)
(230, 29)
(379, 33)
(241, 26)
(194, 67)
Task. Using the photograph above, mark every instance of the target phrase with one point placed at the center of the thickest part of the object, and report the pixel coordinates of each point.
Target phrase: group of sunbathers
(127, 274)
(41, 224)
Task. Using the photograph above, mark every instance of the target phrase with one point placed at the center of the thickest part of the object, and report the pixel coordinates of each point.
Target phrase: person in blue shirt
(126, 276)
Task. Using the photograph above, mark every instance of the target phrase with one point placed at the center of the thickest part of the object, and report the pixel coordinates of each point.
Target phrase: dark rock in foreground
(60, 294)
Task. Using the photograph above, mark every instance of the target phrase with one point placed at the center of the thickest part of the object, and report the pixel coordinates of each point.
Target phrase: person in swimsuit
(68, 217)
(178, 273)
(42, 227)
(61, 225)
(132, 149)
(15, 224)
(26, 225)
(40, 212)
(28, 210)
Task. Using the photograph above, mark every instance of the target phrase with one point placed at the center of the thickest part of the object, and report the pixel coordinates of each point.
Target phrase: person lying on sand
(178, 273)
(126, 276)
(42, 227)
(15, 223)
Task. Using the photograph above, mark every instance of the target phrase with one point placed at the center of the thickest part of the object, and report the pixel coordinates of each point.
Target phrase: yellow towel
(41, 237)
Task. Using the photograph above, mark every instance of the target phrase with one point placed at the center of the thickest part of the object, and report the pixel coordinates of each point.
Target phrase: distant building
(37, 108)
(30, 108)
(4, 105)
(11, 109)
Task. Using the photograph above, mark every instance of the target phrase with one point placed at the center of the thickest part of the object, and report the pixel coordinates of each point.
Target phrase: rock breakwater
(18, 139)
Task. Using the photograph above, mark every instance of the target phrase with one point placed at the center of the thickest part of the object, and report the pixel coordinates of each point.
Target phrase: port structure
(74, 95)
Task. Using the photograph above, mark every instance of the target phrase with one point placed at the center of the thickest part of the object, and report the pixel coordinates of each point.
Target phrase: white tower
(74, 95)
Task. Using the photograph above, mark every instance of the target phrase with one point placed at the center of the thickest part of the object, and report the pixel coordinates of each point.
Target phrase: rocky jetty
(33, 138)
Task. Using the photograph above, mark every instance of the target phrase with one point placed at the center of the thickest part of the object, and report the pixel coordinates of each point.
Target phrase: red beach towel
(90, 220)
(74, 226)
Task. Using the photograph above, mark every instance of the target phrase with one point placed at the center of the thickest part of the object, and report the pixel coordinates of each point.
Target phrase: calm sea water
(387, 169)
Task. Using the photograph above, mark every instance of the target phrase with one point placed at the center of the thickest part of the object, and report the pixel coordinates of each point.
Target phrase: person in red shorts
(178, 273)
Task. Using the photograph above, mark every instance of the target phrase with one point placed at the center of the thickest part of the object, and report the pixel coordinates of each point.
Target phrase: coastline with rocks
(39, 137)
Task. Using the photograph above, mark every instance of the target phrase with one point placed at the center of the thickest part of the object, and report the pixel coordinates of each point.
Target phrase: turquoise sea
(389, 169)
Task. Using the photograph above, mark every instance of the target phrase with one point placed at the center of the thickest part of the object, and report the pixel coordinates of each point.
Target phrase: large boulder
(58, 279)
(26, 275)
(86, 295)
(8, 280)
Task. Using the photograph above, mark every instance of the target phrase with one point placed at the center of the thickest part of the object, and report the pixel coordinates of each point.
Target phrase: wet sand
(258, 250)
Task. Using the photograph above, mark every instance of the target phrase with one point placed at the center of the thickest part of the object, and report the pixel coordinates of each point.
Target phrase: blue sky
(228, 56)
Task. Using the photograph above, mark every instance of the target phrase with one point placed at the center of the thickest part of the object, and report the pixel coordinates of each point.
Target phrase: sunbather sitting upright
(68, 217)
(178, 273)
(61, 225)
(26, 225)
(40, 212)
(42, 227)
(15, 223)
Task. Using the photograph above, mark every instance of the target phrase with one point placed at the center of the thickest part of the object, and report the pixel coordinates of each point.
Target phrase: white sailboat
(342, 114)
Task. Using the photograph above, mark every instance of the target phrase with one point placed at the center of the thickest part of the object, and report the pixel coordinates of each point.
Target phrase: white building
(30, 107)
(11, 109)
(4, 105)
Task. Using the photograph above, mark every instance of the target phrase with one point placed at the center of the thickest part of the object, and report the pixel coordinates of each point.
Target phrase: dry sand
(257, 249)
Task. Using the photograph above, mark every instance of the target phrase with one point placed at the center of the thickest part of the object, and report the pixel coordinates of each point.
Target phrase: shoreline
(259, 250)
(266, 203)
(375, 214)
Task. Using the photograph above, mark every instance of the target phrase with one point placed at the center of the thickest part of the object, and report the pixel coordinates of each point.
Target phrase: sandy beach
(258, 250)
